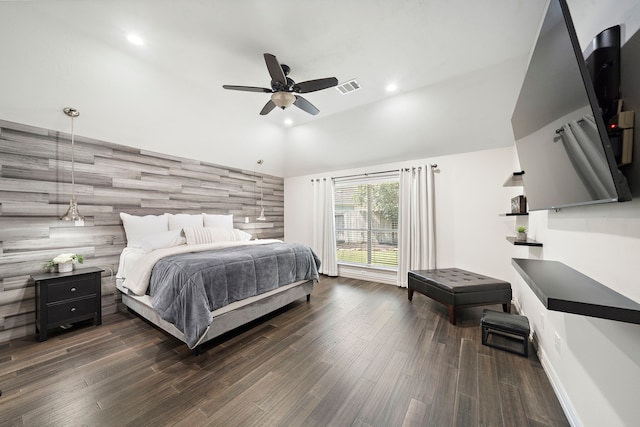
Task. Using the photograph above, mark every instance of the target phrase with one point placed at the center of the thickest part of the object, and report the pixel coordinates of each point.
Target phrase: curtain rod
(358, 174)
(432, 166)
(560, 130)
(435, 165)
(364, 174)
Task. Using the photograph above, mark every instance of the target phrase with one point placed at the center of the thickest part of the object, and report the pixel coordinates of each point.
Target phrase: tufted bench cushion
(459, 288)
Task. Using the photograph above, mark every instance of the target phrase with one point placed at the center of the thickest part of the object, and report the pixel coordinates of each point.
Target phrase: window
(366, 214)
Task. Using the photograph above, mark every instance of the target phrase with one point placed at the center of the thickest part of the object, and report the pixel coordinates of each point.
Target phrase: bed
(197, 282)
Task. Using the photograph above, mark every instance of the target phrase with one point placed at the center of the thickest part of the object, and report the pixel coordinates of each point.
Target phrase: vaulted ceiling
(457, 65)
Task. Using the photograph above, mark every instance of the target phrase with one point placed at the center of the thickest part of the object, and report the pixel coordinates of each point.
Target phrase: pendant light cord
(73, 178)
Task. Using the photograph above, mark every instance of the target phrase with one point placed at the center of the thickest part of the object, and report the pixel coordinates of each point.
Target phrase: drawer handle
(73, 309)
(73, 289)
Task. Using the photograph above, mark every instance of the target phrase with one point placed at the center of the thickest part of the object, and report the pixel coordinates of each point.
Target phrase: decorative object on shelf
(72, 213)
(64, 262)
(261, 217)
(522, 232)
(519, 204)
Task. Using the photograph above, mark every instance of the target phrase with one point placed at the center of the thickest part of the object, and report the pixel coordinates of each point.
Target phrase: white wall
(469, 198)
(597, 366)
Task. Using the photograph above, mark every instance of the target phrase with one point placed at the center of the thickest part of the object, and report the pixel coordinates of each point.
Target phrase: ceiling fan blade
(247, 88)
(314, 85)
(267, 108)
(305, 105)
(275, 70)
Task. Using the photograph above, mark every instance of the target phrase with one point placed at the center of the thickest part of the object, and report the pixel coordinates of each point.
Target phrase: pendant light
(261, 217)
(72, 213)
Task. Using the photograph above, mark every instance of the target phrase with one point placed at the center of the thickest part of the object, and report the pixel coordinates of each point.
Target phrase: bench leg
(410, 294)
(452, 314)
(506, 307)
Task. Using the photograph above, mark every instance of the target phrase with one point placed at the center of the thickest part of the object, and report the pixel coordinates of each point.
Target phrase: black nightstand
(63, 298)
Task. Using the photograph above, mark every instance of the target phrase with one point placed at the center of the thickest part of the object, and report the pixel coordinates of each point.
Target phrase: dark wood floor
(358, 354)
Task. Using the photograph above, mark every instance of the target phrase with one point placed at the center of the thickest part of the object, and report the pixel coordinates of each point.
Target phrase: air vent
(348, 87)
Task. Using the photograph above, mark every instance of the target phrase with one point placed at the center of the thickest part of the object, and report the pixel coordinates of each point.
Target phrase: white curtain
(416, 222)
(324, 226)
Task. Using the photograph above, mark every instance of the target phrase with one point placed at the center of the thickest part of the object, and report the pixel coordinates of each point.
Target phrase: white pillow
(138, 227)
(242, 235)
(202, 235)
(180, 221)
(218, 221)
(166, 239)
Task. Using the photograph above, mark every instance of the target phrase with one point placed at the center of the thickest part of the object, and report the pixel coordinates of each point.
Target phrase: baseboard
(561, 394)
(369, 274)
(556, 384)
(516, 304)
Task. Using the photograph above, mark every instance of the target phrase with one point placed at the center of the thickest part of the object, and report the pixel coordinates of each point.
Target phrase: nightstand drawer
(70, 310)
(74, 288)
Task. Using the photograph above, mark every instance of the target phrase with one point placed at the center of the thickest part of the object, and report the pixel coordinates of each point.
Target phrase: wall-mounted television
(561, 137)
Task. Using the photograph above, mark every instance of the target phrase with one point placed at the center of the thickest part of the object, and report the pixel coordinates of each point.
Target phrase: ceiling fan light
(283, 99)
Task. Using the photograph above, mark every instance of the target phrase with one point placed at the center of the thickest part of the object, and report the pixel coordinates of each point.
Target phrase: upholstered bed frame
(228, 317)
(152, 238)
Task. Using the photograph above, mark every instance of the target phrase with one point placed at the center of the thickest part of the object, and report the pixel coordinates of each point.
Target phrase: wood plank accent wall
(35, 188)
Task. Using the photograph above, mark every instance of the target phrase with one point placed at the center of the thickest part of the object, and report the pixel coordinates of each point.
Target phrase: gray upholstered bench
(459, 288)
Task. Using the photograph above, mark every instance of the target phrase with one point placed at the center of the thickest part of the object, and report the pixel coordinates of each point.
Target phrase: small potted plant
(522, 233)
(64, 262)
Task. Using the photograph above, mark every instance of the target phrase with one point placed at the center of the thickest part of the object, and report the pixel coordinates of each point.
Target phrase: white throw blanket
(137, 280)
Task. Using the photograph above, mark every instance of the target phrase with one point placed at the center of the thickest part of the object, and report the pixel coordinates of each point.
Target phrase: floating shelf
(515, 180)
(561, 288)
(528, 242)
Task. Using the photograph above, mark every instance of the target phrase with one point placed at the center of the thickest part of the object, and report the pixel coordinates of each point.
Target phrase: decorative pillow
(180, 221)
(138, 227)
(218, 221)
(166, 239)
(202, 235)
(242, 235)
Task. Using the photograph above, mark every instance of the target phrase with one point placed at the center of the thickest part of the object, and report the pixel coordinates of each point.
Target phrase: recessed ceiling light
(288, 122)
(392, 87)
(135, 39)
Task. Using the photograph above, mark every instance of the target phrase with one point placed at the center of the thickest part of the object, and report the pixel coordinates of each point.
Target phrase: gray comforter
(185, 288)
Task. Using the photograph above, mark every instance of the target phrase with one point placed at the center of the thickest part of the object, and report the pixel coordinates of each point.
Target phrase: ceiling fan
(283, 89)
